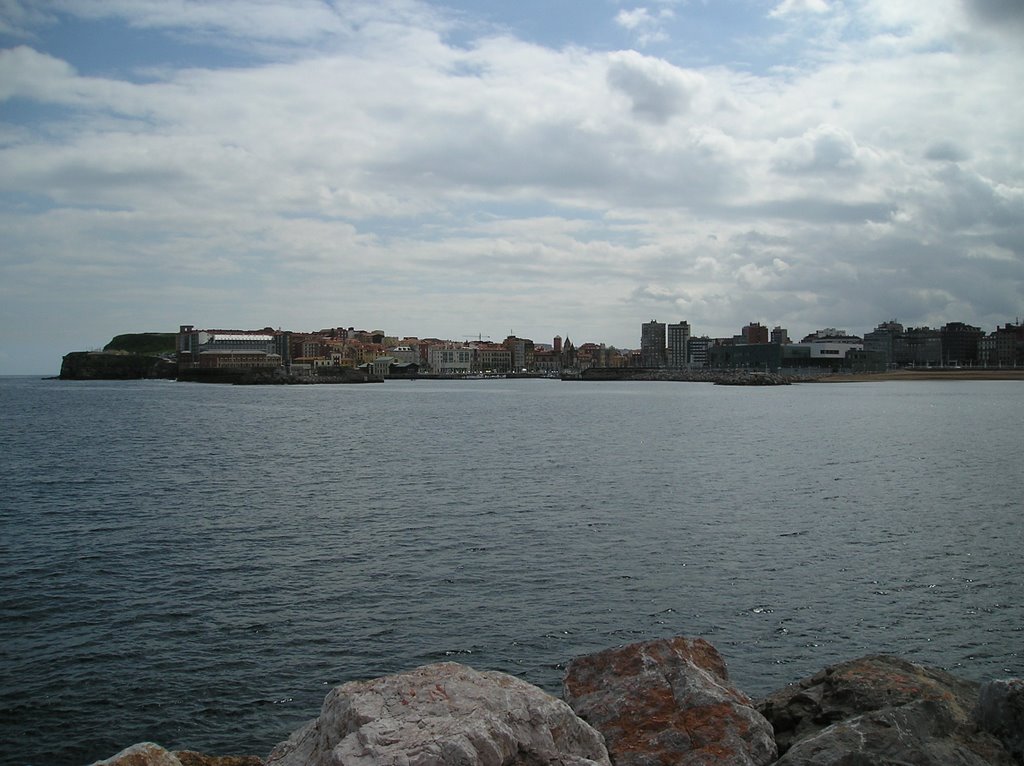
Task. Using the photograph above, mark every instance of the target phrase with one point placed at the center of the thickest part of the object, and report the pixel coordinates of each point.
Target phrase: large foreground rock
(1001, 712)
(442, 715)
(881, 710)
(668, 701)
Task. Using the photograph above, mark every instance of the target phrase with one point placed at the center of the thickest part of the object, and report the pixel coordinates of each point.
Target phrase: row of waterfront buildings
(373, 351)
(890, 345)
(662, 346)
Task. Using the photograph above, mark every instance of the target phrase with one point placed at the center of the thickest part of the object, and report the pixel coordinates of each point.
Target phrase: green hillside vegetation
(144, 343)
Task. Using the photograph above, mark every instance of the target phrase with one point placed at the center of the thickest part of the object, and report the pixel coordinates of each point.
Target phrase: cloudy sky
(479, 167)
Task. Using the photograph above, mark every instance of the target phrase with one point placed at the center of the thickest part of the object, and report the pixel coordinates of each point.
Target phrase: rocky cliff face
(102, 365)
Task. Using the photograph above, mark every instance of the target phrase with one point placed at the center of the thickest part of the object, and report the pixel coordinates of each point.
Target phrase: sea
(197, 565)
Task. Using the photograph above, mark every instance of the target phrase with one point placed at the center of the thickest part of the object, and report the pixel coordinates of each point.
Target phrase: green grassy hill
(144, 343)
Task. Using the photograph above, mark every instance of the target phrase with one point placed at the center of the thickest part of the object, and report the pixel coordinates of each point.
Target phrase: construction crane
(479, 337)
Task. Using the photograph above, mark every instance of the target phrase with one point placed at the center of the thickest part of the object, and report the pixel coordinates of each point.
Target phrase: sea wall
(666, 701)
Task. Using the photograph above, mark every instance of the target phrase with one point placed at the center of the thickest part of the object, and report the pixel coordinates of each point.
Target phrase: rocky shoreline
(116, 365)
(661, 702)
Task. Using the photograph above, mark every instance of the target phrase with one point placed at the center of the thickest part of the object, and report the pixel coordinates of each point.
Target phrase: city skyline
(663, 346)
(472, 167)
(667, 336)
(547, 338)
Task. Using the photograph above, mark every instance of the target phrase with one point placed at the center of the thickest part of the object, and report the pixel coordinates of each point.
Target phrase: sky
(480, 168)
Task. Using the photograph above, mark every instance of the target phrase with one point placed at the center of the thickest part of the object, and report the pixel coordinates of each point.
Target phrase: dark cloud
(816, 210)
(946, 151)
(969, 199)
(84, 183)
(826, 149)
(656, 95)
(998, 13)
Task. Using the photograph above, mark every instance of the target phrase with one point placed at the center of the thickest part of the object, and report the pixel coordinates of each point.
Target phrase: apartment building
(677, 345)
(652, 344)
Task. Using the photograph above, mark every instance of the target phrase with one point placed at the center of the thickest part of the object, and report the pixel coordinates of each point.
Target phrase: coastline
(923, 374)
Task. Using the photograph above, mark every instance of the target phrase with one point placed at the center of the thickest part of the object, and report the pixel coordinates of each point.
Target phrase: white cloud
(379, 171)
(790, 7)
(291, 21)
(20, 19)
(27, 73)
(646, 27)
(825, 149)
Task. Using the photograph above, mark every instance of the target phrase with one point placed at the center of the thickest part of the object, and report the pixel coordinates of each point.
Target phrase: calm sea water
(197, 565)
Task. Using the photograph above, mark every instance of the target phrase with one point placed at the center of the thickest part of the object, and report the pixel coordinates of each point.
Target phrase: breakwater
(659, 701)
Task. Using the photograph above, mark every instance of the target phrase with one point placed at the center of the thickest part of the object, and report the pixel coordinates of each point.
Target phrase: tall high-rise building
(522, 352)
(652, 344)
(755, 332)
(881, 340)
(678, 341)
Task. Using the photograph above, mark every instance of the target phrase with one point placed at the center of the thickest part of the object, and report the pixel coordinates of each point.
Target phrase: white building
(450, 359)
(831, 343)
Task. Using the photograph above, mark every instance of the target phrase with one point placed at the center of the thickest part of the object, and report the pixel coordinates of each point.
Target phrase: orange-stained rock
(668, 701)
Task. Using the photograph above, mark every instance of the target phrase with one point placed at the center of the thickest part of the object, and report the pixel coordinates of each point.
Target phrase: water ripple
(205, 592)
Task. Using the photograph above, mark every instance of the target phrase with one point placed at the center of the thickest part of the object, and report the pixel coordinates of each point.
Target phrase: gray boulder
(668, 701)
(151, 754)
(142, 754)
(880, 710)
(442, 715)
(1001, 712)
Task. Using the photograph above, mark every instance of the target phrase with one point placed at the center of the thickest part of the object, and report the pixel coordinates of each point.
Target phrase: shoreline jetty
(665, 701)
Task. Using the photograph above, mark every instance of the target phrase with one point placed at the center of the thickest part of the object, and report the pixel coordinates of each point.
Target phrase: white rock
(442, 715)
